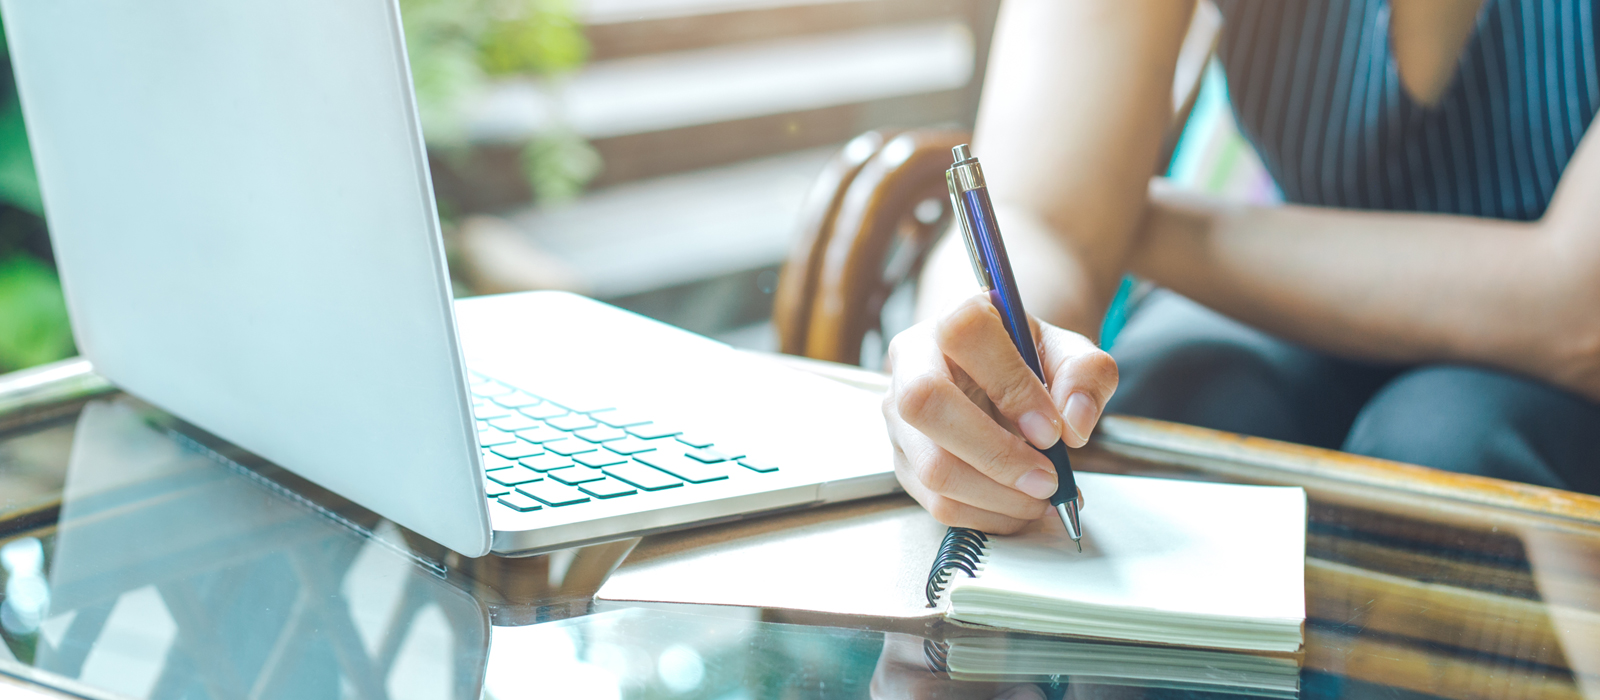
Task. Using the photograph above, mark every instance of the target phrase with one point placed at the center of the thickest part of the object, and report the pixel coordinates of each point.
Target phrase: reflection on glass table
(142, 559)
(171, 574)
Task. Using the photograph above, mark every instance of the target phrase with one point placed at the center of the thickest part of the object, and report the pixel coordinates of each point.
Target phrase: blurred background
(653, 154)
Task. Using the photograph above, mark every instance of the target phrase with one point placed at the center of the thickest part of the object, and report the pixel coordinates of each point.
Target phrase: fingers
(958, 384)
(1082, 379)
(952, 512)
(926, 397)
(941, 472)
(975, 339)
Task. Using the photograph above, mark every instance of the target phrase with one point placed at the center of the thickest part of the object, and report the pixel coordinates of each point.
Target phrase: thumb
(1082, 379)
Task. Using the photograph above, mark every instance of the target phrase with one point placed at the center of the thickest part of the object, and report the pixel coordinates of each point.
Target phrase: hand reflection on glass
(902, 672)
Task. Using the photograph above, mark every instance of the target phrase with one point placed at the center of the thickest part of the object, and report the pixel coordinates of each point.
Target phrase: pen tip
(1080, 545)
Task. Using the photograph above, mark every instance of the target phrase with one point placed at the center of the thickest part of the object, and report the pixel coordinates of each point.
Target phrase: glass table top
(140, 559)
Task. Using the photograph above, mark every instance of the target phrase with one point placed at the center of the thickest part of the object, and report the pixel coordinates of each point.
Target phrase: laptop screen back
(240, 207)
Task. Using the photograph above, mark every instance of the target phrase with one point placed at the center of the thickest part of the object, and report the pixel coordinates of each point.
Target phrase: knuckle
(937, 473)
(896, 345)
(1097, 371)
(919, 399)
(946, 510)
(1019, 390)
(962, 323)
(995, 459)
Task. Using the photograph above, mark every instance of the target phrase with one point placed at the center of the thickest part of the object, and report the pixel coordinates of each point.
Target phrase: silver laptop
(240, 205)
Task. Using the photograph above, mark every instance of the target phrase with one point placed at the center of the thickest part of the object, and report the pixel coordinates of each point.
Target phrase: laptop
(239, 200)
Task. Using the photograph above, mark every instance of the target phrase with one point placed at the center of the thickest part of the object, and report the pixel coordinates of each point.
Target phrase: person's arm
(1074, 106)
(1076, 101)
(1399, 287)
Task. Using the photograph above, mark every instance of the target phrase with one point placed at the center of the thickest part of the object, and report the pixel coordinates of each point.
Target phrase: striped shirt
(1315, 88)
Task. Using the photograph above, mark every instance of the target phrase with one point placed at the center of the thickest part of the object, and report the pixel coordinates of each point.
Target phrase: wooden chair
(879, 207)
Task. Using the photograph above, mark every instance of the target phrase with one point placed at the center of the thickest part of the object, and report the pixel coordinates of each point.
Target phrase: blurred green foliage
(538, 37)
(33, 327)
(33, 313)
(457, 46)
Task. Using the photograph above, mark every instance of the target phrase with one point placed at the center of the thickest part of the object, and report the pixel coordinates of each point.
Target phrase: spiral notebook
(1164, 561)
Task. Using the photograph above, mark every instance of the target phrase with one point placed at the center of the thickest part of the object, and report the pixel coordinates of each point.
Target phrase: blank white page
(1164, 561)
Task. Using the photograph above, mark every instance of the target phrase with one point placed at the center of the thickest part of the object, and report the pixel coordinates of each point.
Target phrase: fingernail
(1080, 415)
(1037, 483)
(1039, 430)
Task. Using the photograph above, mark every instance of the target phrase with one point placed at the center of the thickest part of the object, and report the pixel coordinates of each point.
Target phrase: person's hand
(902, 672)
(961, 401)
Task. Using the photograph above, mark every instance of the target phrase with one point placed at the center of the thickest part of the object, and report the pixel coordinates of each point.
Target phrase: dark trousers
(1182, 362)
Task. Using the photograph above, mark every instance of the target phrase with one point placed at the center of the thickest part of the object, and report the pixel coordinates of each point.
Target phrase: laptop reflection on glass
(240, 206)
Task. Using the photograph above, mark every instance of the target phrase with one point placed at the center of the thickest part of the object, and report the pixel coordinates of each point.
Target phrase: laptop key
(543, 411)
(513, 423)
(642, 476)
(598, 459)
(545, 462)
(492, 437)
(518, 399)
(489, 411)
(711, 456)
(514, 476)
(493, 462)
(571, 422)
(519, 503)
(517, 450)
(569, 447)
(690, 470)
(651, 431)
(494, 490)
(572, 476)
(762, 467)
(552, 494)
(609, 488)
(600, 433)
(696, 443)
(631, 445)
(619, 418)
(541, 433)
(581, 405)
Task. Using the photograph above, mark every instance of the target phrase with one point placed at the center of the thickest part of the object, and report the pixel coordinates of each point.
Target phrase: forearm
(1380, 286)
(1076, 99)
(1056, 282)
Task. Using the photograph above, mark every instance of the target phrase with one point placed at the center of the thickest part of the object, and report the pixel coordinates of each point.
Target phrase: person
(1429, 293)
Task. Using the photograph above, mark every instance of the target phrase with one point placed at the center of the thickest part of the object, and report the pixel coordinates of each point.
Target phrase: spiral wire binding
(938, 655)
(962, 549)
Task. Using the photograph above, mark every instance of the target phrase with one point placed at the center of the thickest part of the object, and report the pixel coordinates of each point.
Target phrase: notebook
(1165, 562)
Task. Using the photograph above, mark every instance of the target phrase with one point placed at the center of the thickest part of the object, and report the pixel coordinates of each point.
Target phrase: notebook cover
(874, 553)
(866, 560)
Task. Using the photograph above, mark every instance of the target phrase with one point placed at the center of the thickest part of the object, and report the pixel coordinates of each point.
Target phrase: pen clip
(958, 210)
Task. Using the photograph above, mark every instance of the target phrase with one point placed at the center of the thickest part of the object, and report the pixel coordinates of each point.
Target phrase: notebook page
(1165, 561)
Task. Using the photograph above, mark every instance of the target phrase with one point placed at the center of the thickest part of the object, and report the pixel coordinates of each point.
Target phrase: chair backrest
(881, 204)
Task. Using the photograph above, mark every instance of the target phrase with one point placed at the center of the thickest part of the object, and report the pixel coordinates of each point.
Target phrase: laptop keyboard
(539, 454)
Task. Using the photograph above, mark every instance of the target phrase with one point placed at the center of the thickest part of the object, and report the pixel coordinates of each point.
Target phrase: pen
(969, 196)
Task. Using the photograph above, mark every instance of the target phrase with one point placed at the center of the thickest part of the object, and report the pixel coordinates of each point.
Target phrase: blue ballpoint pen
(969, 196)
